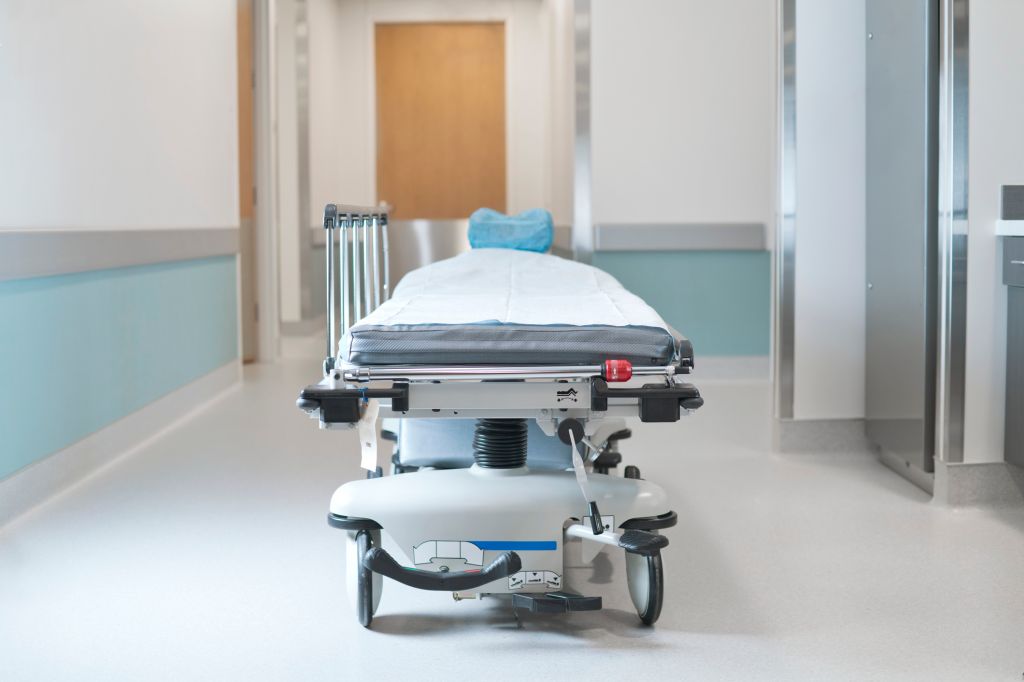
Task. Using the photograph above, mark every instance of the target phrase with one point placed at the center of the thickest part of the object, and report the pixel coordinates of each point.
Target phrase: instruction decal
(569, 395)
(517, 581)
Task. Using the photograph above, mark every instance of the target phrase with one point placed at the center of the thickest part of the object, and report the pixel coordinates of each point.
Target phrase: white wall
(996, 141)
(683, 111)
(118, 115)
(342, 104)
(829, 363)
(341, 76)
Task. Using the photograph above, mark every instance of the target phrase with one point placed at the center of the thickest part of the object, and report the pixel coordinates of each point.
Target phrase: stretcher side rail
(336, 402)
(485, 372)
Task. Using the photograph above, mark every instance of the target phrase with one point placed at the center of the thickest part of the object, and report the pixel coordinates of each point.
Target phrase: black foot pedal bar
(555, 602)
(642, 542)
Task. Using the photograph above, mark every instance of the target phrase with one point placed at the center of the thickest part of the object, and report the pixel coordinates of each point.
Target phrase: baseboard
(304, 327)
(995, 484)
(820, 436)
(40, 481)
(831, 436)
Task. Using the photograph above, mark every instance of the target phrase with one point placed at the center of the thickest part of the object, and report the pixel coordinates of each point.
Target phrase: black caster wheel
(398, 468)
(364, 586)
(646, 578)
(631, 472)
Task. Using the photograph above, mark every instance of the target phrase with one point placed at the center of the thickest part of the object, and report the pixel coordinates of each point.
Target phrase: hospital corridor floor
(205, 555)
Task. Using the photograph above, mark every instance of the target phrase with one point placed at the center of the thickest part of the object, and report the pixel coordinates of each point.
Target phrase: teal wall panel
(80, 351)
(720, 300)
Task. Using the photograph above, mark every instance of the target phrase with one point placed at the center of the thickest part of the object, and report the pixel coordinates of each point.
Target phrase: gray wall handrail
(681, 237)
(48, 252)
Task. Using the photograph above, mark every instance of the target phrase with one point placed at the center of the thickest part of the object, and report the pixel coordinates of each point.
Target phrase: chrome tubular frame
(387, 258)
(343, 275)
(355, 280)
(364, 240)
(357, 293)
(378, 294)
(332, 341)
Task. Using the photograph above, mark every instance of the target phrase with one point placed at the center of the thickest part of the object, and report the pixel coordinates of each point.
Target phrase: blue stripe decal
(513, 545)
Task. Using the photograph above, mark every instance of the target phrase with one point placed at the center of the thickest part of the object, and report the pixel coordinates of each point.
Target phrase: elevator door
(902, 139)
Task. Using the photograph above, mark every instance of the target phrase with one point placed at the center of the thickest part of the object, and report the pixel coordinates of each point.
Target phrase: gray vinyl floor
(205, 556)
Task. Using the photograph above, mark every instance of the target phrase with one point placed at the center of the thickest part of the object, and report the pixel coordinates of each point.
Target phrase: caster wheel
(631, 472)
(398, 468)
(364, 586)
(646, 579)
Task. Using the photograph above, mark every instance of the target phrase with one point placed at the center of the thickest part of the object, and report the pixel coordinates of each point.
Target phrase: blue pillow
(531, 230)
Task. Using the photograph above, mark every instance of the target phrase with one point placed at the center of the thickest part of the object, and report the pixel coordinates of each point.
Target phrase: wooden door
(440, 118)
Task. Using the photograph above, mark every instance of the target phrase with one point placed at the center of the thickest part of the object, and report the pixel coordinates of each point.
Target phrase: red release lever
(618, 370)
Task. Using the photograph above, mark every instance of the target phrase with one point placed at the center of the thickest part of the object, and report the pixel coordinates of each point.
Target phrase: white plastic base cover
(462, 519)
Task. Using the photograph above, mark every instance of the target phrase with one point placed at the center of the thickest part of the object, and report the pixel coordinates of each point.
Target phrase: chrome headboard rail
(358, 270)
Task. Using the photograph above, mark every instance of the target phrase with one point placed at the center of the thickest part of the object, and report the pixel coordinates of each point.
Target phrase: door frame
(954, 95)
(784, 259)
(954, 74)
(264, 152)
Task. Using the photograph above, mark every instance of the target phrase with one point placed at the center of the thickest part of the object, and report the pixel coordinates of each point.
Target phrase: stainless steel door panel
(901, 221)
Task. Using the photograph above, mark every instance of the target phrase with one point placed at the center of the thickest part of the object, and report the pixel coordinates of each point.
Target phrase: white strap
(368, 435)
(581, 471)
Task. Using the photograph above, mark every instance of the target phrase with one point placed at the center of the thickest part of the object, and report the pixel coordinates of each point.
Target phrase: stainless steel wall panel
(785, 233)
(952, 230)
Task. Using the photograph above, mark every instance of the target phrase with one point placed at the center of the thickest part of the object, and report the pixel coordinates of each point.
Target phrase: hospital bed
(504, 379)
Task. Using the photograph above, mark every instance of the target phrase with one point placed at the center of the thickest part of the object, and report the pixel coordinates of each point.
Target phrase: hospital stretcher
(505, 379)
